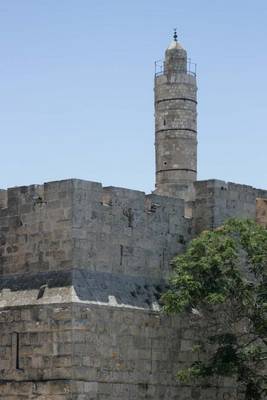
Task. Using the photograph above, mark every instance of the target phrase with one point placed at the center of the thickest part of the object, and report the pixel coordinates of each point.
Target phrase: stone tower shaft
(176, 125)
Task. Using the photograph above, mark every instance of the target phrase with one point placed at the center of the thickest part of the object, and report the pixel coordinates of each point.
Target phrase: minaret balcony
(160, 68)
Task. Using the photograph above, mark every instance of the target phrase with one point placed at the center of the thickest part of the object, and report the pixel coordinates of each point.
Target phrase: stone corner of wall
(3, 198)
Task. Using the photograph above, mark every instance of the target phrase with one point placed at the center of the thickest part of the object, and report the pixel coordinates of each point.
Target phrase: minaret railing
(161, 70)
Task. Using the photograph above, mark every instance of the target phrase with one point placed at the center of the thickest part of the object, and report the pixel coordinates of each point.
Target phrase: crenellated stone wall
(82, 271)
(74, 223)
(124, 231)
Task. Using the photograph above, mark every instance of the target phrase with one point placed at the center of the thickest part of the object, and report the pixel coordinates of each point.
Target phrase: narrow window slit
(17, 351)
(121, 254)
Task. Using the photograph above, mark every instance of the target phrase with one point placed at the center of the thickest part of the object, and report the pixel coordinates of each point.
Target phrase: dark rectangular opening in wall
(16, 350)
(121, 254)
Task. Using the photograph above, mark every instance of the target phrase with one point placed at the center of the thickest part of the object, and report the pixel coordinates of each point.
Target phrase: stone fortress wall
(74, 223)
(89, 351)
(80, 224)
(82, 269)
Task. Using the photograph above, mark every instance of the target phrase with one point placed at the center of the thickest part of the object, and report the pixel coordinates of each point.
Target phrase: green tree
(223, 272)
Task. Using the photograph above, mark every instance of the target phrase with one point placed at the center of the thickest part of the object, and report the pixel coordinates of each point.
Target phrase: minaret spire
(175, 37)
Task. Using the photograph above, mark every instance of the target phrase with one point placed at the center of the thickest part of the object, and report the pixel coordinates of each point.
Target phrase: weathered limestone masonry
(79, 224)
(82, 268)
(217, 201)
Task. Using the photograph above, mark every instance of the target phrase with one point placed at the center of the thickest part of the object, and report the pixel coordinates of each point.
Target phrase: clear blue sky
(76, 88)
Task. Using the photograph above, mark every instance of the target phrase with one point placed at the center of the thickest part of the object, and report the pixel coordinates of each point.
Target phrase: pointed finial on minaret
(175, 35)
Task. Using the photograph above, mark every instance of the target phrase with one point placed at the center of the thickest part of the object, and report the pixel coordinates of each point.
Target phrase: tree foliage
(224, 273)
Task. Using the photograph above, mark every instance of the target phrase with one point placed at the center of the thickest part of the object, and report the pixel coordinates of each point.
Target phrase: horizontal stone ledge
(176, 169)
(177, 129)
(81, 285)
(176, 99)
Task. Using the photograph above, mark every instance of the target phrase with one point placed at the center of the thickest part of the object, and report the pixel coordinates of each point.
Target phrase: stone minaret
(176, 125)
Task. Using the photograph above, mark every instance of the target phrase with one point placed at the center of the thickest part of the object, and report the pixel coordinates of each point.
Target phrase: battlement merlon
(80, 224)
(217, 201)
